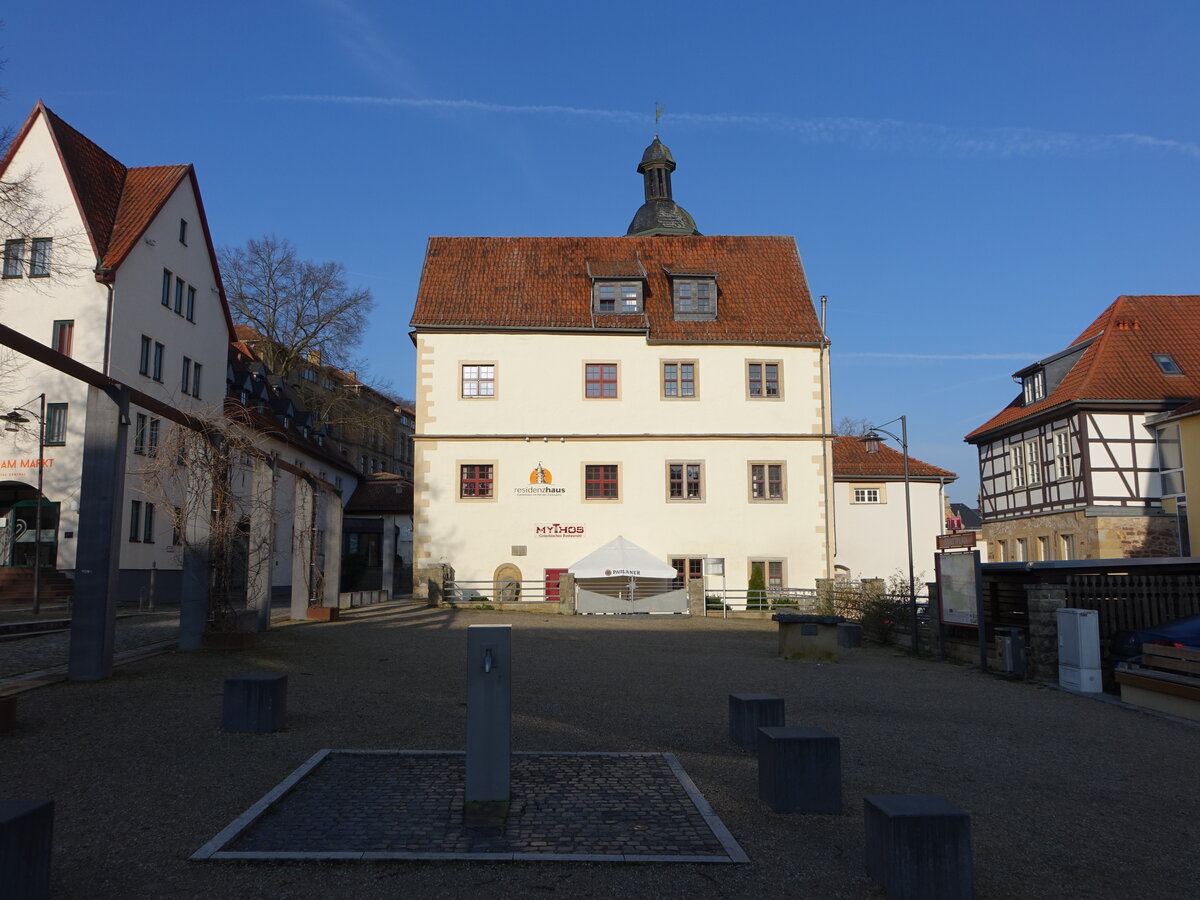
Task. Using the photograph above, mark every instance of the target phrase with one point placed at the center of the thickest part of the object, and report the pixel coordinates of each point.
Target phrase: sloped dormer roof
(543, 284)
(1118, 365)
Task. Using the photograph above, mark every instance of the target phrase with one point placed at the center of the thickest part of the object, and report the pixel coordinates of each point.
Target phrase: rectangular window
(191, 304)
(135, 521)
(1062, 455)
(1022, 550)
(1067, 542)
(762, 379)
(179, 285)
(772, 571)
(1033, 462)
(475, 481)
(39, 257)
(166, 290)
(1170, 459)
(14, 258)
(144, 359)
(679, 379)
(478, 381)
(766, 481)
(695, 299)
(685, 481)
(600, 380)
(148, 530)
(159, 350)
(196, 380)
(619, 298)
(1166, 364)
(187, 375)
(1034, 387)
(56, 423)
(867, 495)
(1016, 464)
(61, 336)
(601, 482)
(152, 438)
(183, 232)
(177, 527)
(139, 435)
(1043, 544)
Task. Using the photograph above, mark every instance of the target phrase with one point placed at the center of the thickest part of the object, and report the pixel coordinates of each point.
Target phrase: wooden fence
(1127, 602)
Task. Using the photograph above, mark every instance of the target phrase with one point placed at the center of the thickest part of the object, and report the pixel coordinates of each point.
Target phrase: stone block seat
(750, 712)
(800, 770)
(254, 703)
(808, 636)
(918, 847)
(26, 836)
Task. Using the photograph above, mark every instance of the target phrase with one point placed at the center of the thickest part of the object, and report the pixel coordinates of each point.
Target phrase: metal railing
(503, 592)
(794, 599)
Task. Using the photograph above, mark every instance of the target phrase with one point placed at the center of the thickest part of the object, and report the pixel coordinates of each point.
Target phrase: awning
(621, 558)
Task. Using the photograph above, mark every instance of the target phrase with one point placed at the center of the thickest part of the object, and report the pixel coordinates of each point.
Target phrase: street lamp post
(871, 439)
(12, 422)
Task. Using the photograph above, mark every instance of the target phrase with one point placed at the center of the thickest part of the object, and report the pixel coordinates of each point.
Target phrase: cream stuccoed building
(113, 267)
(664, 386)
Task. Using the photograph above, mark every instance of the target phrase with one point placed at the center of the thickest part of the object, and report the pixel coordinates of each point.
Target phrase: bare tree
(850, 427)
(306, 310)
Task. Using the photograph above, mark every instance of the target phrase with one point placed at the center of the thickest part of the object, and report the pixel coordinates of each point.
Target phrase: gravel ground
(1069, 797)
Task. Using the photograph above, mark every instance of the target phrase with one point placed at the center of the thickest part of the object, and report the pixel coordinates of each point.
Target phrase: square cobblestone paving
(362, 804)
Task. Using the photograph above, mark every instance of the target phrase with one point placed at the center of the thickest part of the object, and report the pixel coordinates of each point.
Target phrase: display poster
(959, 587)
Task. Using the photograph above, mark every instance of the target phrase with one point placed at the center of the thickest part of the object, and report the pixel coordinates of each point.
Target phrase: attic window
(695, 298)
(1167, 363)
(617, 297)
(1034, 386)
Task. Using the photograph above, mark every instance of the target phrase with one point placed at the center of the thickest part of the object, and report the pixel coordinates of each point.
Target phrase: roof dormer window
(1034, 386)
(621, 298)
(695, 298)
(1166, 362)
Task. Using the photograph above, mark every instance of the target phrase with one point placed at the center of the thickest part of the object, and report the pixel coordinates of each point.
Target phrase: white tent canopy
(621, 558)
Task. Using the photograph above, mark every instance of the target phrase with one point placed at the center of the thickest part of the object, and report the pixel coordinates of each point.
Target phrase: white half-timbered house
(1071, 468)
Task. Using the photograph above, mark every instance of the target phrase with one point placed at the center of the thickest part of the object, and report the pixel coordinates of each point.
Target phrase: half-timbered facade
(1072, 468)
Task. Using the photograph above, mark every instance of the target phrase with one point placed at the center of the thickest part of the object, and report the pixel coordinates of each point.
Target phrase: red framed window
(64, 333)
(600, 482)
(475, 480)
(600, 380)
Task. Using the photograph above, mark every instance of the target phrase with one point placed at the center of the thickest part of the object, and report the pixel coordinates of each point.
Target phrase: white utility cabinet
(1079, 650)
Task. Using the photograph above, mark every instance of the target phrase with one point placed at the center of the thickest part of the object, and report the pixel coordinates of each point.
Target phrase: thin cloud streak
(947, 356)
(868, 134)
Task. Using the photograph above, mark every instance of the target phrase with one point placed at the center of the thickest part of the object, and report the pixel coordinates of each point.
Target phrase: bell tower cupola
(660, 214)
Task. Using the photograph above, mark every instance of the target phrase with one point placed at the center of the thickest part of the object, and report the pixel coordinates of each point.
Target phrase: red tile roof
(1118, 365)
(543, 283)
(117, 203)
(851, 461)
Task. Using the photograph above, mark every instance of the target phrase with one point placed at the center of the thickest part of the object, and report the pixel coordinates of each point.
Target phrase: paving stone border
(408, 805)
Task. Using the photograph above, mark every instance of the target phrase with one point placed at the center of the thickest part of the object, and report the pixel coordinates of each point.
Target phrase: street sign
(964, 541)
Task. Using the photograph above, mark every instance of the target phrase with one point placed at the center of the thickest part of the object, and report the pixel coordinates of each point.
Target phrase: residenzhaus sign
(541, 483)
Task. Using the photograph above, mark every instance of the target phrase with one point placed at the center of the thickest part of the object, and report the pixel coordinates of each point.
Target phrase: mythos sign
(541, 483)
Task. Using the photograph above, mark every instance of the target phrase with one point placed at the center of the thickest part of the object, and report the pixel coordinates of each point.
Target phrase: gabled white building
(120, 275)
(664, 386)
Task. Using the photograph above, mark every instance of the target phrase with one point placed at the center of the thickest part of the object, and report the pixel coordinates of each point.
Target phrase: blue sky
(970, 183)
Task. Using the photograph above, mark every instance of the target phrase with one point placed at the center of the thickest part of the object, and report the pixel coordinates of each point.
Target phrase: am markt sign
(964, 541)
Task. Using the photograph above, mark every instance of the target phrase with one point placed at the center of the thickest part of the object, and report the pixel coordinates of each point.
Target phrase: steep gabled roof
(1118, 365)
(543, 283)
(117, 203)
(851, 461)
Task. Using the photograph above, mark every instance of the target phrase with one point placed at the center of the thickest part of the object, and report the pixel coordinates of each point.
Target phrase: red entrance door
(553, 592)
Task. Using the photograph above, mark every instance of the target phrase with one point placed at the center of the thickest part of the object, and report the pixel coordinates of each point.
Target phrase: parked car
(1125, 645)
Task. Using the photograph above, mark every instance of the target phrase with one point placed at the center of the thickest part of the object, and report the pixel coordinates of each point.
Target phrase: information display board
(960, 587)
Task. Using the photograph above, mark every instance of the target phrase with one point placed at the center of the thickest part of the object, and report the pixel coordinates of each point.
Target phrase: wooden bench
(1166, 680)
